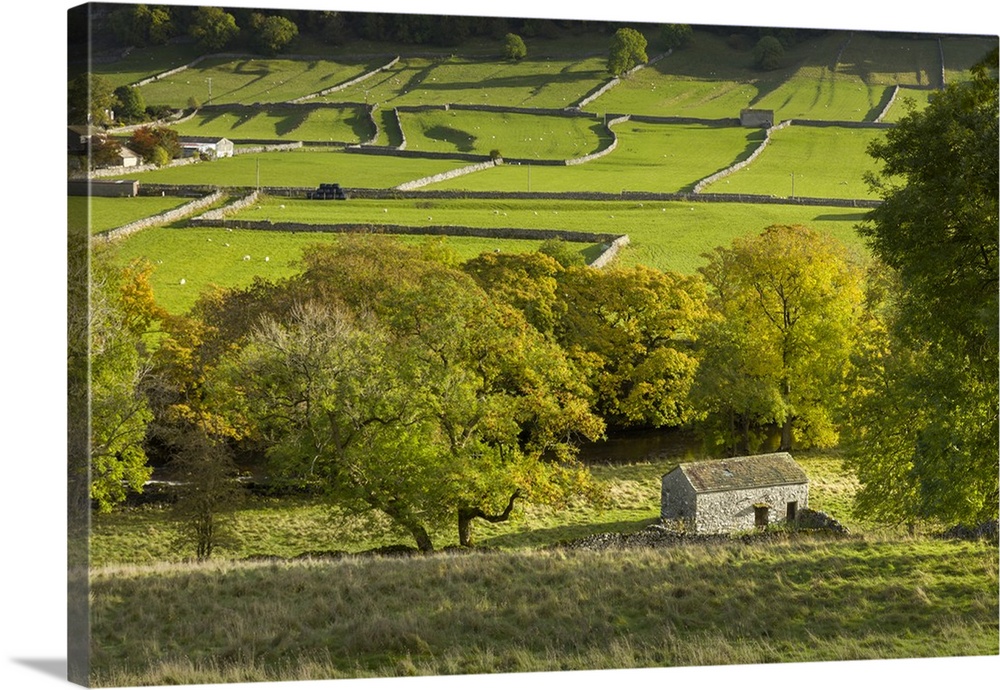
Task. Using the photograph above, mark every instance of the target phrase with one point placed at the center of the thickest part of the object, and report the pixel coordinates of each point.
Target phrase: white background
(32, 260)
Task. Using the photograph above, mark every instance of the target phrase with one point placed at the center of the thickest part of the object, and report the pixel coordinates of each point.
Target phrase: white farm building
(214, 147)
(719, 496)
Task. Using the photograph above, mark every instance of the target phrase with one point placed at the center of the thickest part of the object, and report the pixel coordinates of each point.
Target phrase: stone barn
(718, 496)
(754, 117)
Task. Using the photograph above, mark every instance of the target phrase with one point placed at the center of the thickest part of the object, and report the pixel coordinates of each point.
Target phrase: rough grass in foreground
(800, 600)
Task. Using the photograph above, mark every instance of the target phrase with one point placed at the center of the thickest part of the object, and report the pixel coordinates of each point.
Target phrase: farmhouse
(717, 496)
(215, 147)
(754, 117)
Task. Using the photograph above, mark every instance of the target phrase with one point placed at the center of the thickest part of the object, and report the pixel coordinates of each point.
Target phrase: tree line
(401, 381)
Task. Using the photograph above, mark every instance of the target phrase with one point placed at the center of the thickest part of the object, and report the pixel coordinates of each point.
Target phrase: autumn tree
(528, 282)
(785, 302)
(627, 50)
(924, 413)
(104, 151)
(398, 385)
(121, 310)
(156, 144)
(631, 332)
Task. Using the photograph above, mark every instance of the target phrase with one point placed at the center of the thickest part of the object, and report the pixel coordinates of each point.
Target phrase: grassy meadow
(289, 527)
(649, 158)
(670, 236)
(250, 80)
(827, 162)
(302, 168)
(349, 124)
(545, 82)
(800, 600)
(515, 135)
(206, 257)
(107, 213)
(269, 606)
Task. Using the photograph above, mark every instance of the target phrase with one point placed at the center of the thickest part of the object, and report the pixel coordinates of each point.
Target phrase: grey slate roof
(772, 469)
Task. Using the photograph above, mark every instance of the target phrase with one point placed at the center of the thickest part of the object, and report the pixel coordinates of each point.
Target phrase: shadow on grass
(550, 536)
(843, 216)
(461, 140)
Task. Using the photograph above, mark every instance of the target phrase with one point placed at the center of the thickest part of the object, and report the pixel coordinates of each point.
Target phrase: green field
(142, 63)
(107, 213)
(348, 124)
(250, 80)
(302, 168)
(665, 235)
(204, 257)
(515, 135)
(649, 158)
(287, 527)
(534, 82)
(827, 162)
(523, 606)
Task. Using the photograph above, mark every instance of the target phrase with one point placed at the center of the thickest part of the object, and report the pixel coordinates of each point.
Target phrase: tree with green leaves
(121, 311)
(91, 99)
(785, 304)
(627, 50)
(768, 54)
(924, 413)
(514, 48)
(130, 106)
(213, 28)
(272, 34)
(399, 386)
(631, 330)
(206, 491)
(674, 36)
(156, 144)
(141, 25)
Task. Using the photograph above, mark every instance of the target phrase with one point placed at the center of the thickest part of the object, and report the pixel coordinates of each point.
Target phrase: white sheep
(246, 257)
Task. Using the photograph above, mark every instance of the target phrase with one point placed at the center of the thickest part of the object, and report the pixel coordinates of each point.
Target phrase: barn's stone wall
(729, 511)
(678, 500)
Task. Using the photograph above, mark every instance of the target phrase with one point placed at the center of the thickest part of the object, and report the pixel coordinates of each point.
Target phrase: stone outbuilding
(719, 496)
(213, 147)
(756, 117)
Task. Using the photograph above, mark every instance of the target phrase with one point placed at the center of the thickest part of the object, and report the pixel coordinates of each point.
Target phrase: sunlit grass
(250, 80)
(801, 600)
(294, 123)
(205, 257)
(302, 168)
(112, 212)
(808, 154)
(535, 82)
(515, 135)
(649, 158)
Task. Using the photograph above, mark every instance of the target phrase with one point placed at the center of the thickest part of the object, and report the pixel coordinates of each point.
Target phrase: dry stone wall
(347, 84)
(220, 213)
(441, 177)
(608, 255)
(160, 219)
(743, 163)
